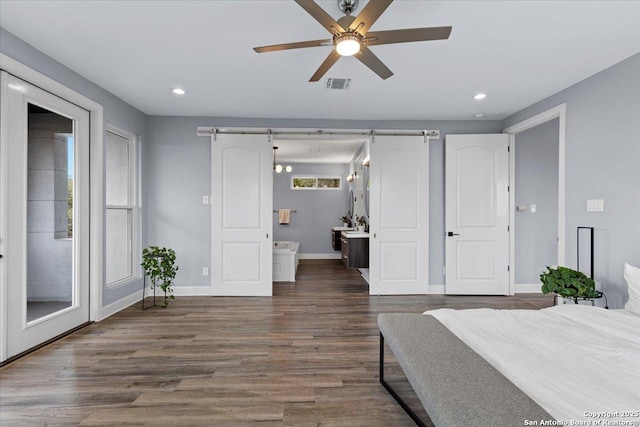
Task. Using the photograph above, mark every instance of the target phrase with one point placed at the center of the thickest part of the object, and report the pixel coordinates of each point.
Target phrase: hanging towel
(284, 216)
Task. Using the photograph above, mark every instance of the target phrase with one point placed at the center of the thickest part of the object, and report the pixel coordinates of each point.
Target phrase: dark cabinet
(336, 240)
(355, 251)
(336, 237)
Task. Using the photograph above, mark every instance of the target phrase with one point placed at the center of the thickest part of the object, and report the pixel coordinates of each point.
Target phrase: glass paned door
(46, 206)
(50, 160)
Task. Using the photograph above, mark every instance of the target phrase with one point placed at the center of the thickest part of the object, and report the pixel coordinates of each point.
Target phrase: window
(300, 182)
(121, 211)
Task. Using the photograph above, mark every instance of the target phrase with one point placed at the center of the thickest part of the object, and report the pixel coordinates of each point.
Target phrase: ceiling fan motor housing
(347, 6)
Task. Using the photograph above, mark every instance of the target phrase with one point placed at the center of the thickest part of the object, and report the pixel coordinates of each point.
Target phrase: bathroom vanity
(355, 249)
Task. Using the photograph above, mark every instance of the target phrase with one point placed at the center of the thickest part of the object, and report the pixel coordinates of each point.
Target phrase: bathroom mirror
(351, 202)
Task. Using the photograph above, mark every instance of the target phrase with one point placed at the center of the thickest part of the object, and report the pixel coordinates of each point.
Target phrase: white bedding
(573, 360)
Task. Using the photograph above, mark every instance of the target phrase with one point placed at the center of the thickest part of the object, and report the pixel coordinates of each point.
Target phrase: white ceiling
(517, 51)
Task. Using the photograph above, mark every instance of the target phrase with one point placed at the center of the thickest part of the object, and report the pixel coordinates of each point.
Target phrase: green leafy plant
(160, 267)
(346, 219)
(361, 220)
(568, 283)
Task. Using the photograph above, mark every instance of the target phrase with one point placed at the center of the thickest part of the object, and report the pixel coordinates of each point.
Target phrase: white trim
(190, 291)
(319, 256)
(4, 164)
(436, 289)
(528, 288)
(121, 304)
(559, 112)
(364, 272)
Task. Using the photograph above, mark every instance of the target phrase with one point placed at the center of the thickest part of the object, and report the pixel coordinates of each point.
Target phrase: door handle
(451, 234)
(267, 235)
(0, 256)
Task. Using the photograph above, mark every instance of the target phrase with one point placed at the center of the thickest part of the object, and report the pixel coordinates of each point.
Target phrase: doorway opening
(325, 184)
(537, 158)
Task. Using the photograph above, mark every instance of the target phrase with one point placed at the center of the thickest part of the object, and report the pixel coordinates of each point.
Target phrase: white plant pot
(360, 228)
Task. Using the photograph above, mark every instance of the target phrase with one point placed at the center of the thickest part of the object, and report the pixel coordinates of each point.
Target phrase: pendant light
(278, 168)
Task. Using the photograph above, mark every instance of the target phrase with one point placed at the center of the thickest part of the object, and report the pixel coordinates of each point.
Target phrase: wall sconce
(279, 168)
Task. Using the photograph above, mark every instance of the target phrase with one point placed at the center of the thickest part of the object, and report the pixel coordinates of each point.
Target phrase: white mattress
(577, 362)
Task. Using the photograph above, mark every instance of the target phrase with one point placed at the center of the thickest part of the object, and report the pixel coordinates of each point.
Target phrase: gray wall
(318, 210)
(115, 111)
(178, 174)
(536, 182)
(603, 162)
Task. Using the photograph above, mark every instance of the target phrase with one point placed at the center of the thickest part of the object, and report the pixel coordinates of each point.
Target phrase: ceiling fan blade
(296, 45)
(321, 16)
(408, 35)
(324, 67)
(373, 62)
(369, 15)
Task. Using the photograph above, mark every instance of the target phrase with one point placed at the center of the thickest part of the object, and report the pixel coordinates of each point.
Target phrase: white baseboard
(191, 291)
(436, 289)
(365, 274)
(320, 256)
(121, 304)
(528, 288)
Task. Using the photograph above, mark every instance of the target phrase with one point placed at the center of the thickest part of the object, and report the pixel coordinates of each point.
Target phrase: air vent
(338, 83)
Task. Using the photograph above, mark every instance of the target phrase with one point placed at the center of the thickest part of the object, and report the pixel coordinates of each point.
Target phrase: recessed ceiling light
(478, 115)
(178, 91)
(315, 150)
(479, 96)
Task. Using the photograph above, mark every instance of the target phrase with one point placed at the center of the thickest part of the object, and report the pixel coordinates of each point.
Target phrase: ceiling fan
(351, 36)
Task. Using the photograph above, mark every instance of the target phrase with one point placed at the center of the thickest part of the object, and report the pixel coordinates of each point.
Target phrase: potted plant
(160, 267)
(346, 220)
(361, 222)
(568, 283)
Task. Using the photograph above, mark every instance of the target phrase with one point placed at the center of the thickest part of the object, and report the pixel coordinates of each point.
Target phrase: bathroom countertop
(355, 234)
(342, 228)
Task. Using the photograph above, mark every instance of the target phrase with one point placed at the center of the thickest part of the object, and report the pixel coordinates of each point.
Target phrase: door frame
(96, 203)
(558, 112)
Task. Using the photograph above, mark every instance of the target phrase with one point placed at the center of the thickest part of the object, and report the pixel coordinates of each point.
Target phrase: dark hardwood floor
(308, 356)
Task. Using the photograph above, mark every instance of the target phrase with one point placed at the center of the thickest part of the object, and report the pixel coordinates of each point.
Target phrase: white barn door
(399, 219)
(241, 206)
(477, 214)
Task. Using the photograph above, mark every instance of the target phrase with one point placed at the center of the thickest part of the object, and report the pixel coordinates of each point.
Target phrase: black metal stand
(591, 249)
(575, 300)
(144, 287)
(592, 264)
(392, 392)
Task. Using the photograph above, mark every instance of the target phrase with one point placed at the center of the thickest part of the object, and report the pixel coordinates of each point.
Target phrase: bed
(578, 364)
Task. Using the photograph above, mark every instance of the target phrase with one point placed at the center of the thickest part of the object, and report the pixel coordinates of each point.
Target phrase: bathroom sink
(356, 234)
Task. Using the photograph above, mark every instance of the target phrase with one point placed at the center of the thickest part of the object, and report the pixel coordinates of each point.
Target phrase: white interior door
(242, 209)
(399, 218)
(477, 214)
(45, 231)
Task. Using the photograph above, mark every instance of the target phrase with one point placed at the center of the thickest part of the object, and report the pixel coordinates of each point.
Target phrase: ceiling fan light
(347, 45)
(288, 168)
(278, 168)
